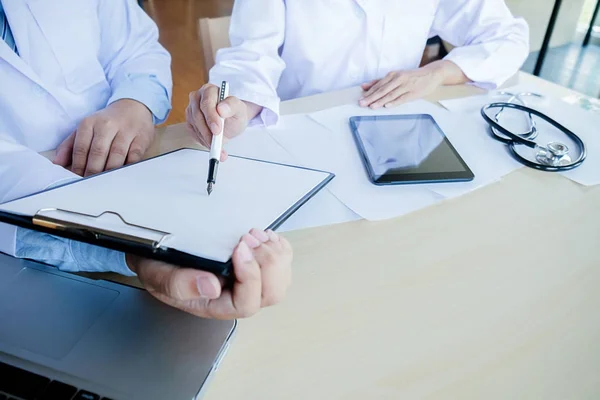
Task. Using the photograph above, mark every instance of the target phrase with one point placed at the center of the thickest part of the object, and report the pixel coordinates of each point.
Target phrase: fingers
(375, 92)
(377, 86)
(192, 128)
(244, 299)
(262, 269)
(105, 131)
(197, 120)
(405, 98)
(235, 113)
(138, 148)
(81, 146)
(206, 115)
(208, 106)
(391, 96)
(64, 152)
(369, 85)
(178, 284)
(274, 258)
(120, 133)
(119, 151)
(232, 108)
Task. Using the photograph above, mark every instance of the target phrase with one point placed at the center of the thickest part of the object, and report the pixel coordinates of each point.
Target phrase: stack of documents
(324, 140)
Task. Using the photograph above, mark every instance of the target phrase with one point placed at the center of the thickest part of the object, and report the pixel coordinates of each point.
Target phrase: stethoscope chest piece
(555, 154)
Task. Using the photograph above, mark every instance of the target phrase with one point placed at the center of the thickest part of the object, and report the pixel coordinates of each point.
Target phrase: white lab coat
(70, 51)
(283, 49)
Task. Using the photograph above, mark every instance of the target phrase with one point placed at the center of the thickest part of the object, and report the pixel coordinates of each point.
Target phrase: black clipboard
(47, 221)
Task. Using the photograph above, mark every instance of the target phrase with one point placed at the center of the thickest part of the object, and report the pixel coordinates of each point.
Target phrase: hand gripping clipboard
(158, 208)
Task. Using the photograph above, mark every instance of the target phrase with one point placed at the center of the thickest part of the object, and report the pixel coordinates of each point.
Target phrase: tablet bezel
(400, 179)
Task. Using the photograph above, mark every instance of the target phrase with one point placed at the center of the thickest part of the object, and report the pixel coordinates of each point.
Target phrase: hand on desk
(400, 87)
(262, 266)
(204, 114)
(117, 135)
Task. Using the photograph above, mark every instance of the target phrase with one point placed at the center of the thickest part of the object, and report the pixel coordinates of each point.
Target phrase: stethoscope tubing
(514, 139)
(532, 133)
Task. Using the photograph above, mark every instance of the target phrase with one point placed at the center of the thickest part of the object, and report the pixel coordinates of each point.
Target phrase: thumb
(64, 152)
(178, 283)
(231, 107)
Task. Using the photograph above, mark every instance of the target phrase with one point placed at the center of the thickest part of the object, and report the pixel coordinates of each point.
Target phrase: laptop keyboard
(18, 384)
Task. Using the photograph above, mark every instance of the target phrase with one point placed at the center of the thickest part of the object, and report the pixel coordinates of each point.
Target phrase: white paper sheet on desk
(258, 144)
(582, 122)
(323, 209)
(335, 149)
(311, 144)
(169, 194)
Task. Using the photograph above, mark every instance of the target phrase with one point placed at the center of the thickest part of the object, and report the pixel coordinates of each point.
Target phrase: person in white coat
(284, 49)
(89, 77)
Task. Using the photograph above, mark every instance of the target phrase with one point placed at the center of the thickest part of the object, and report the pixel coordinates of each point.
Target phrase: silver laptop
(68, 337)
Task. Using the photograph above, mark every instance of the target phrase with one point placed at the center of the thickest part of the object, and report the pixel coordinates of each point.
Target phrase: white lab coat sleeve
(252, 64)
(492, 44)
(23, 172)
(133, 59)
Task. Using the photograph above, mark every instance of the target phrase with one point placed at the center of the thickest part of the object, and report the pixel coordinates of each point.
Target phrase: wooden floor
(177, 21)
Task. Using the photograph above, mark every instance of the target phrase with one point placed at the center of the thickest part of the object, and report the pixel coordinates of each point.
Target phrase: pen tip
(209, 188)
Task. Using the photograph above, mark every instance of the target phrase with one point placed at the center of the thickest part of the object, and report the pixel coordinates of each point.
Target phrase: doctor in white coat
(283, 49)
(89, 77)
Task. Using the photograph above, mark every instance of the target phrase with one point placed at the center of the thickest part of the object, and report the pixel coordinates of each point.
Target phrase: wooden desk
(490, 296)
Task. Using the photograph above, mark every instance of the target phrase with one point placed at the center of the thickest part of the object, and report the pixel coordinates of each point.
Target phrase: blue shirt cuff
(69, 255)
(145, 89)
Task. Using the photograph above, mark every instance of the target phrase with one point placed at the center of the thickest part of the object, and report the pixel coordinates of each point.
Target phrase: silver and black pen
(216, 146)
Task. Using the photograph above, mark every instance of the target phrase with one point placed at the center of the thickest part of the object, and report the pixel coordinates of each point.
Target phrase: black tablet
(403, 149)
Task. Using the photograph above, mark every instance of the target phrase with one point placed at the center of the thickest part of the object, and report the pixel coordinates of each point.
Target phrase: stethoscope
(555, 156)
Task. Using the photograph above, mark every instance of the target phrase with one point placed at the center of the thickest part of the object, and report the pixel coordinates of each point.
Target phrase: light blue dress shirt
(69, 255)
(73, 256)
(147, 90)
(136, 68)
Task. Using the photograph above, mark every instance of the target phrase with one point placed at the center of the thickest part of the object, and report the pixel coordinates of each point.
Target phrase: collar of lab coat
(16, 10)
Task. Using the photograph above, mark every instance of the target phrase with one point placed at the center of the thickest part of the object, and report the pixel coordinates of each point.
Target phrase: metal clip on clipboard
(43, 219)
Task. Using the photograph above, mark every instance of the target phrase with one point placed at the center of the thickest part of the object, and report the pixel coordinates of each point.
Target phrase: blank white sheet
(323, 209)
(256, 143)
(169, 194)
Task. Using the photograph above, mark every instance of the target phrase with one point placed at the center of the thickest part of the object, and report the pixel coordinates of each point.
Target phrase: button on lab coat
(283, 49)
(71, 55)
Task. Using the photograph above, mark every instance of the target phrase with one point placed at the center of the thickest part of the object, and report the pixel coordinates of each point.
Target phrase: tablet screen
(407, 148)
